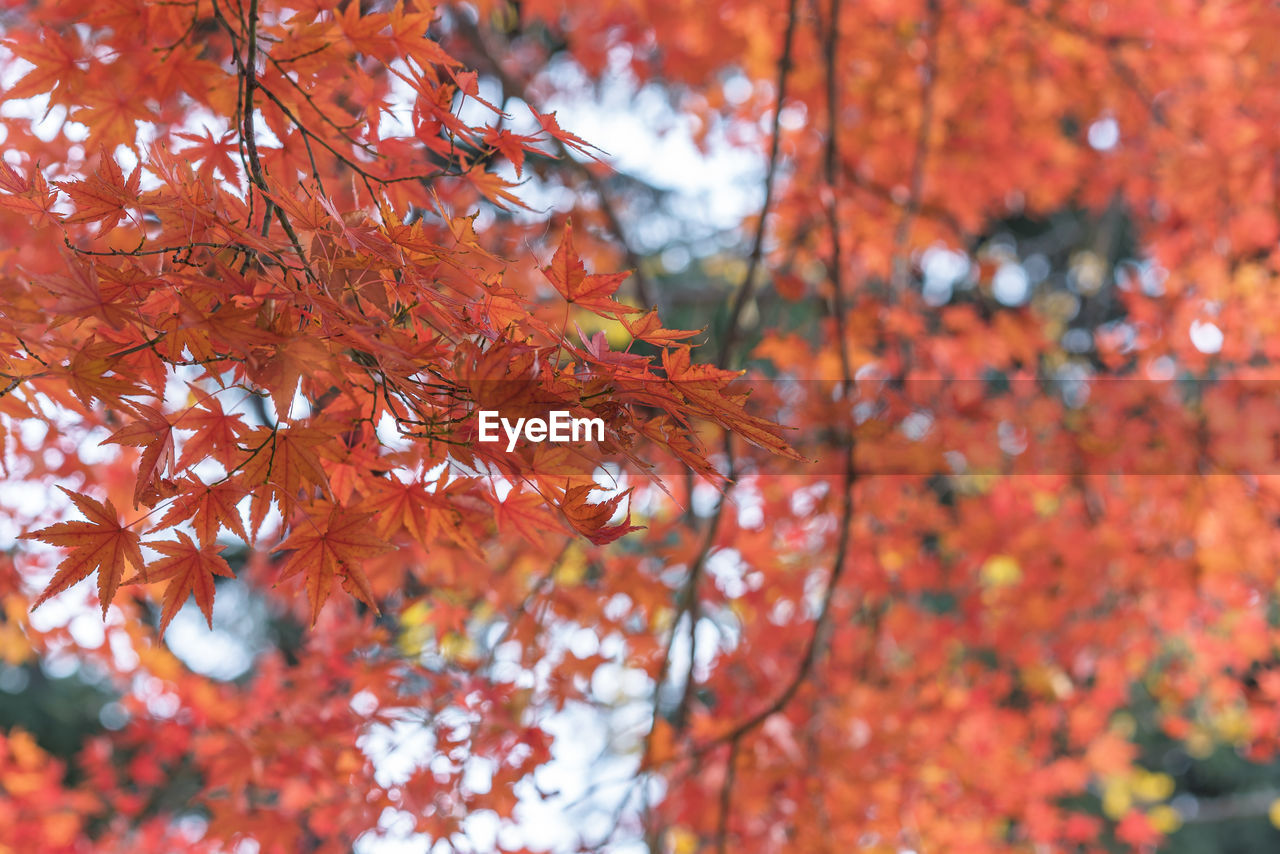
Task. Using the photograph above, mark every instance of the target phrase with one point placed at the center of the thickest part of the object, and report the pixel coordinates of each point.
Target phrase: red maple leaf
(592, 519)
(154, 434)
(571, 280)
(329, 546)
(99, 544)
(105, 196)
(214, 155)
(189, 569)
(209, 508)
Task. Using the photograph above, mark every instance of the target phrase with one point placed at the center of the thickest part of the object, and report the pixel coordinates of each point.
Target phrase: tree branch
(911, 209)
(818, 637)
(757, 245)
(512, 86)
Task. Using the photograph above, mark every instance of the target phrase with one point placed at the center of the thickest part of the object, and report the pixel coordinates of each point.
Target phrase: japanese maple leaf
(649, 328)
(154, 434)
(217, 433)
(58, 60)
(525, 512)
(115, 109)
(592, 520)
(512, 146)
(189, 569)
(29, 196)
(84, 293)
(360, 236)
(100, 543)
(214, 154)
(408, 506)
(706, 387)
(336, 546)
(288, 459)
(570, 278)
(596, 348)
(288, 362)
(551, 126)
(364, 31)
(409, 35)
(209, 507)
(494, 188)
(105, 196)
(92, 375)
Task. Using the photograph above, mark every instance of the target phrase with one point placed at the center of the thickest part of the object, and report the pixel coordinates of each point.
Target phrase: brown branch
(757, 246)
(308, 134)
(911, 209)
(185, 248)
(726, 798)
(818, 637)
(248, 73)
(831, 163)
(513, 86)
(14, 382)
(689, 602)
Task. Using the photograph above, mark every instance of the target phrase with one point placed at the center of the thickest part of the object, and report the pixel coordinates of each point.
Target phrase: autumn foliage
(960, 447)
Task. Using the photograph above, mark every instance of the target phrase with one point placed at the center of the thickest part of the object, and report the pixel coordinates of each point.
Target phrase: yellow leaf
(572, 568)
(1151, 787)
(1001, 571)
(1165, 818)
(682, 841)
(1116, 799)
(1199, 744)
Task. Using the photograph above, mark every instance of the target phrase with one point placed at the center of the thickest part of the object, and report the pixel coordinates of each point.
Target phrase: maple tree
(919, 488)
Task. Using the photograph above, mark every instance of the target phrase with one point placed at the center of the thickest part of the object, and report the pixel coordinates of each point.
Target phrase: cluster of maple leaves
(259, 273)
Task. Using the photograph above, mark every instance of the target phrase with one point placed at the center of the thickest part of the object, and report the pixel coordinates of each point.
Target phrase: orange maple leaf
(512, 146)
(525, 512)
(325, 548)
(189, 569)
(57, 59)
(649, 328)
(101, 544)
(213, 154)
(30, 197)
(706, 388)
(104, 196)
(594, 291)
(592, 520)
(551, 126)
(287, 460)
(494, 188)
(209, 507)
(216, 432)
(154, 434)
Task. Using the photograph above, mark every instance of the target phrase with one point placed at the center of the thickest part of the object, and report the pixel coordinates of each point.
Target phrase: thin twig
(902, 234)
(249, 73)
(818, 637)
(689, 602)
(726, 798)
(517, 88)
(747, 288)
